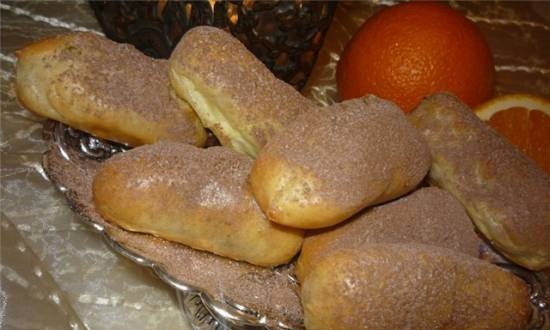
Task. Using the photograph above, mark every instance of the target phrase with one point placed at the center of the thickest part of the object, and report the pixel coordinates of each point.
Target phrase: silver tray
(199, 309)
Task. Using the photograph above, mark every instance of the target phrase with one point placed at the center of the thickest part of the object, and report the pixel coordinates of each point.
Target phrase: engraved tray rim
(209, 313)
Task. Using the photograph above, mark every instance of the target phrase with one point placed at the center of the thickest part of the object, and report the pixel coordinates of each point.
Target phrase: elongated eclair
(428, 216)
(107, 89)
(234, 94)
(198, 197)
(412, 286)
(331, 163)
(506, 194)
(268, 292)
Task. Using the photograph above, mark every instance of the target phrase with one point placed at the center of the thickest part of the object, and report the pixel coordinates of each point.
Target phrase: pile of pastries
(340, 190)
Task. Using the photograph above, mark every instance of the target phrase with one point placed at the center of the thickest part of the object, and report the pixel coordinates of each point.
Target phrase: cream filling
(212, 109)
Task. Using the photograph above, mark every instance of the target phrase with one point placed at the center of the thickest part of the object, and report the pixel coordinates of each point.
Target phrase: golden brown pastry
(233, 93)
(268, 292)
(428, 216)
(198, 197)
(109, 90)
(505, 193)
(412, 286)
(331, 163)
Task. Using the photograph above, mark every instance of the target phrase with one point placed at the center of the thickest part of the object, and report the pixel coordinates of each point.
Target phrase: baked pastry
(109, 90)
(272, 293)
(234, 94)
(505, 193)
(412, 286)
(198, 197)
(428, 216)
(331, 163)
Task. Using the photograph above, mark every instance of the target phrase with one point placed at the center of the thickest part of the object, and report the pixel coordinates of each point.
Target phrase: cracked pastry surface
(506, 194)
(198, 197)
(331, 163)
(234, 94)
(428, 216)
(412, 286)
(109, 90)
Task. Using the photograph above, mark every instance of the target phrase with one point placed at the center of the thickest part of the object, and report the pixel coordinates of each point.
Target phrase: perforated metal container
(285, 35)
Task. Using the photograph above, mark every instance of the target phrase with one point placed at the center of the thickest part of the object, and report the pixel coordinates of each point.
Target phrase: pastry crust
(428, 216)
(198, 197)
(506, 194)
(109, 90)
(329, 164)
(234, 94)
(412, 286)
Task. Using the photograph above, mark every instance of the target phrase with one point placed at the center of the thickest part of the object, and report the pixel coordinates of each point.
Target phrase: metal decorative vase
(285, 35)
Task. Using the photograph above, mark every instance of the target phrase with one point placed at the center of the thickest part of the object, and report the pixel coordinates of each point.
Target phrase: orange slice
(524, 120)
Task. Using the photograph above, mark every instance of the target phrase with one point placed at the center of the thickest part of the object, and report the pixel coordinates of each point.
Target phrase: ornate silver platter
(200, 308)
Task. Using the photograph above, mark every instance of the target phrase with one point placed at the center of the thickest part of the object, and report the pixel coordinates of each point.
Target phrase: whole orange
(410, 50)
